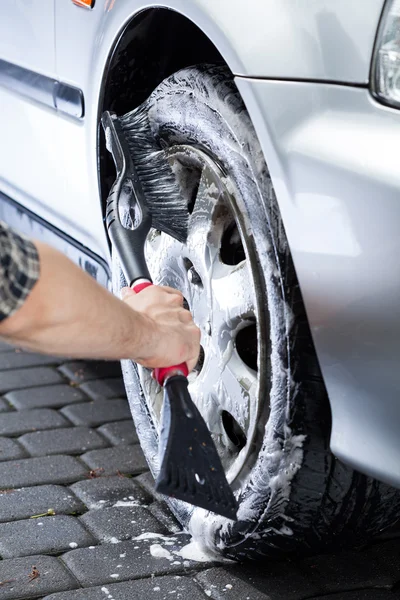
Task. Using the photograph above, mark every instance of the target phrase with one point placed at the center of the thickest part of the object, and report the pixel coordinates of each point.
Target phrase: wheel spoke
(233, 296)
(236, 391)
(230, 387)
(158, 246)
(205, 231)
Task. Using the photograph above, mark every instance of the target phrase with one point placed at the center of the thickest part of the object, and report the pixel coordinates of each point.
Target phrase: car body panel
(27, 34)
(48, 169)
(275, 39)
(45, 168)
(29, 223)
(333, 157)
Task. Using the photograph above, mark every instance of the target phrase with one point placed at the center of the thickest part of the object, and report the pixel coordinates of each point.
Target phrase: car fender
(277, 39)
(331, 153)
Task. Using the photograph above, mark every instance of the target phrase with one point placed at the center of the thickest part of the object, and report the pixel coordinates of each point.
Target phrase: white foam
(194, 551)
(158, 551)
(149, 535)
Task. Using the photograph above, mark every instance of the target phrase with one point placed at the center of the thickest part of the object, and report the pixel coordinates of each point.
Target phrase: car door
(27, 113)
(27, 34)
(78, 26)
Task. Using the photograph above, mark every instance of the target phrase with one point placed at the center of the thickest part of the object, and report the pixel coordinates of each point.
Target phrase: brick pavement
(76, 498)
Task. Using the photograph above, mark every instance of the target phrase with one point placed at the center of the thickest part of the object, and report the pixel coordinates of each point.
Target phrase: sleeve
(19, 269)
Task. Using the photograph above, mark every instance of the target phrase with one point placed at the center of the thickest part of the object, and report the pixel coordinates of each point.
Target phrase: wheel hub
(214, 273)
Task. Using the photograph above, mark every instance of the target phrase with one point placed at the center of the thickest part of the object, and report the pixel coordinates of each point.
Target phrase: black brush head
(163, 196)
(191, 469)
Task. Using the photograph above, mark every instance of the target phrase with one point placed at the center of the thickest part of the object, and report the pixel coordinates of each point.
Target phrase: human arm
(68, 313)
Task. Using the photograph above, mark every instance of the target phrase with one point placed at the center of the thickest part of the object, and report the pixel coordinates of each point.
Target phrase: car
(280, 121)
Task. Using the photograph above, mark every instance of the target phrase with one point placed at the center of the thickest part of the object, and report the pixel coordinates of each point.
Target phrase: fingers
(163, 293)
(189, 351)
(171, 295)
(162, 289)
(152, 297)
(169, 290)
(126, 292)
(192, 363)
(172, 336)
(155, 289)
(185, 316)
(175, 299)
(195, 349)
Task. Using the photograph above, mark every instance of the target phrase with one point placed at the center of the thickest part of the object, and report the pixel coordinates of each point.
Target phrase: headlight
(386, 64)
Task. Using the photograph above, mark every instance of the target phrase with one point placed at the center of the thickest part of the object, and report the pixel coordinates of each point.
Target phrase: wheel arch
(152, 45)
(142, 56)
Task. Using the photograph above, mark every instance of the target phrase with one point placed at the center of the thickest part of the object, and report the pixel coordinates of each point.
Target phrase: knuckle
(184, 317)
(175, 299)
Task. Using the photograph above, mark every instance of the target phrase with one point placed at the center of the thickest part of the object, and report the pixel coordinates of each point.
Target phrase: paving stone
(121, 459)
(54, 577)
(107, 491)
(46, 396)
(17, 423)
(4, 347)
(4, 406)
(122, 432)
(79, 371)
(358, 595)
(163, 514)
(162, 588)
(146, 480)
(17, 359)
(275, 581)
(103, 389)
(214, 582)
(123, 522)
(97, 412)
(375, 566)
(36, 471)
(110, 563)
(18, 379)
(386, 556)
(73, 440)
(10, 450)
(47, 535)
(26, 502)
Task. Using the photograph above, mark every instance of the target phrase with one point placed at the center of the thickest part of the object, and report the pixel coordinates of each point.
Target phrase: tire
(294, 495)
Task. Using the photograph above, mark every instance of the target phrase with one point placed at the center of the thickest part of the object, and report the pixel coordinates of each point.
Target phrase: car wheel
(257, 383)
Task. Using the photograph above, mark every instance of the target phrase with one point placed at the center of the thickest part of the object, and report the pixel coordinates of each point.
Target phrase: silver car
(290, 109)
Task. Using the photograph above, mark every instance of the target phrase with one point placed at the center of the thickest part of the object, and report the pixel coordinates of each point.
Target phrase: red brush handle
(161, 373)
(141, 285)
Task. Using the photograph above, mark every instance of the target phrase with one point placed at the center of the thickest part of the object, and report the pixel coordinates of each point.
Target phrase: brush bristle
(163, 195)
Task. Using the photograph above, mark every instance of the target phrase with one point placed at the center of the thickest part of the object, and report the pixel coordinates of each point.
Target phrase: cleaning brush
(191, 469)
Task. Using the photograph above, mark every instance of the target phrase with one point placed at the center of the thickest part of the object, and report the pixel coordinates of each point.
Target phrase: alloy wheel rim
(218, 279)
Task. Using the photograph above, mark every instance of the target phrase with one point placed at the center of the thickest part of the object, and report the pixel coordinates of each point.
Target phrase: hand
(169, 335)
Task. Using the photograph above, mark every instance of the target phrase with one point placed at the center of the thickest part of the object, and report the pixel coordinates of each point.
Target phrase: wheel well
(153, 45)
